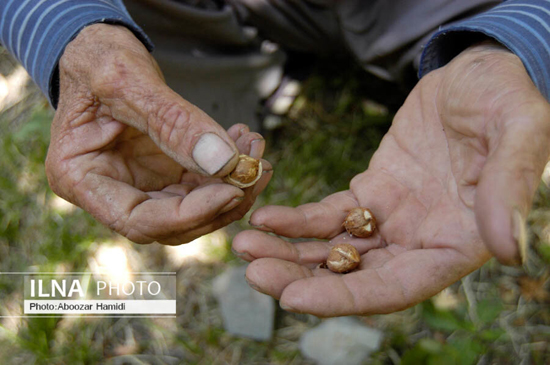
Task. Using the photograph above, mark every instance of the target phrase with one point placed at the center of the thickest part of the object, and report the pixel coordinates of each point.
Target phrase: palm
(428, 186)
(137, 161)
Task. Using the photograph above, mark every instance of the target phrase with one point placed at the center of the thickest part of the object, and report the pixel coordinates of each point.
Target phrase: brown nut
(360, 222)
(343, 258)
(247, 172)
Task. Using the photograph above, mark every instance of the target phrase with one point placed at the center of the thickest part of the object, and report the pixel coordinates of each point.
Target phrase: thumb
(189, 135)
(517, 156)
(138, 96)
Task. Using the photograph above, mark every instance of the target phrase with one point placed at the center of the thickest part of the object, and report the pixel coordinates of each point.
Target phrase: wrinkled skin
(122, 145)
(450, 186)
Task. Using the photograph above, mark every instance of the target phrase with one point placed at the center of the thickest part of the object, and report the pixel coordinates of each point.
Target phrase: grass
(495, 315)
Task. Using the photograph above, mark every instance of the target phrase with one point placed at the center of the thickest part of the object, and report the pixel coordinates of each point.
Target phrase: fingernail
(232, 204)
(519, 232)
(212, 153)
(257, 148)
(237, 253)
(243, 255)
(252, 285)
(244, 130)
(287, 307)
(261, 227)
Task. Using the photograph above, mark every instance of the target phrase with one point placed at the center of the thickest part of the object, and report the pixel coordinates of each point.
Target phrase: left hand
(450, 185)
(134, 154)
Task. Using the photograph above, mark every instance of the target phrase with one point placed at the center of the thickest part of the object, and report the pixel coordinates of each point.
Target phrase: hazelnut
(360, 222)
(247, 172)
(343, 258)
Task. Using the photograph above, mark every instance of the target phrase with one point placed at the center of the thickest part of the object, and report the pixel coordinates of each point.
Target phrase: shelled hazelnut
(247, 172)
(360, 222)
(343, 258)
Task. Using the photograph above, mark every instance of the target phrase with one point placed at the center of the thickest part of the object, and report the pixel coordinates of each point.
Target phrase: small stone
(245, 312)
(340, 341)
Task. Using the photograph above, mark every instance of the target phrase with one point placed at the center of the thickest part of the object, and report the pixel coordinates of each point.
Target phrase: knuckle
(357, 180)
(109, 81)
(112, 79)
(134, 235)
(170, 122)
(56, 178)
(64, 177)
(51, 175)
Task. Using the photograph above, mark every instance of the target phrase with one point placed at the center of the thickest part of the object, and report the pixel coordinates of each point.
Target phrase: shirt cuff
(37, 32)
(523, 26)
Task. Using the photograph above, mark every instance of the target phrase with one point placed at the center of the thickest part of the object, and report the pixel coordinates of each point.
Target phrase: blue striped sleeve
(523, 26)
(37, 31)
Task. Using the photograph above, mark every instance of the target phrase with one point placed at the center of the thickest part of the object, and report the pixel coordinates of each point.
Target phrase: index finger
(313, 220)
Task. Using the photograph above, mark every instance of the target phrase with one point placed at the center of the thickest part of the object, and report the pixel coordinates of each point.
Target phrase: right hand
(449, 186)
(133, 153)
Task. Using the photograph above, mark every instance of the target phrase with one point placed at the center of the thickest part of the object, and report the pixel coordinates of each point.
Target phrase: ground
(495, 315)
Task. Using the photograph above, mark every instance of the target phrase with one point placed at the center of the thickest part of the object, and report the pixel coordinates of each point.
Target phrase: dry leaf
(534, 288)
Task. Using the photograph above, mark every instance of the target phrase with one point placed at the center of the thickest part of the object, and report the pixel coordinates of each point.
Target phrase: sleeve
(523, 26)
(36, 32)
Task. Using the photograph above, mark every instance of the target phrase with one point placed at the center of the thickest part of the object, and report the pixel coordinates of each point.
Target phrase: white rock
(342, 341)
(245, 312)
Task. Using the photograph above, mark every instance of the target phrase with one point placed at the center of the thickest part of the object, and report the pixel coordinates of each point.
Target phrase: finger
(172, 191)
(251, 245)
(236, 130)
(402, 282)
(257, 148)
(228, 216)
(319, 220)
(252, 144)
(509, 180)
(143, 219)
(136, 95)
(286, 272)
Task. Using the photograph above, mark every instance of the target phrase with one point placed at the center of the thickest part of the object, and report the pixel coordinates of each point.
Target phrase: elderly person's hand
(133, 153)
(450, 185)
